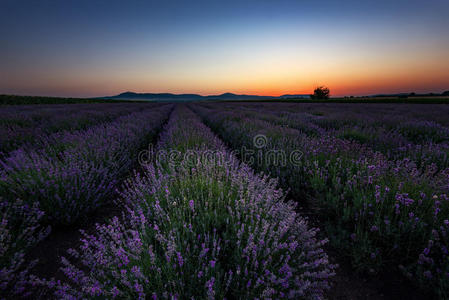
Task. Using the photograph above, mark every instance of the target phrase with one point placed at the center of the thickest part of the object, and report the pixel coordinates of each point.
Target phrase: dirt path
(50, 251)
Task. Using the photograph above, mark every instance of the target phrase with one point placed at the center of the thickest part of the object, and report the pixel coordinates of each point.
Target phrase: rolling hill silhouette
(194, 97)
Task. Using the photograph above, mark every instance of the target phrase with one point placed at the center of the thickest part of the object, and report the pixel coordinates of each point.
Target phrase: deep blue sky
(95, 48)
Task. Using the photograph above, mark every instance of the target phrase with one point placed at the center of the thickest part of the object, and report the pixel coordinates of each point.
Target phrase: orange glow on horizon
(267, 75)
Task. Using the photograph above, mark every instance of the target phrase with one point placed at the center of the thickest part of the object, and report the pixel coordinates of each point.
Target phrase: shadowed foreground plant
(19, 232)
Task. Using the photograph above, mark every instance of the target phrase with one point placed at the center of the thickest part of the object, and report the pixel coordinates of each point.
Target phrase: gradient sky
(97, 48)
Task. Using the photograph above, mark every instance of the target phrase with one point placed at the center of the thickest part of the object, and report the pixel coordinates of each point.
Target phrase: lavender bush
(208, 229)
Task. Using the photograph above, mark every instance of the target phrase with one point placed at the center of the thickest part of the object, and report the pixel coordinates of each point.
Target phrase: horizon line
(238, 94)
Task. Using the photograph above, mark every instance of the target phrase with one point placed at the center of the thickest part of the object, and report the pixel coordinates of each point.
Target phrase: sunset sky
(98, 48)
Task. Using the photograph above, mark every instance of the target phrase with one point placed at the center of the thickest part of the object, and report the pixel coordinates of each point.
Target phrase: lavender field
(223, 200)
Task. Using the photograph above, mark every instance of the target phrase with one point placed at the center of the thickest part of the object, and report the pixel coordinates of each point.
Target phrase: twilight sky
(97, 48)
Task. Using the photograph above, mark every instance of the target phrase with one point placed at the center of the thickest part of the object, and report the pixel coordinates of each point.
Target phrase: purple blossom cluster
(19, 232)
(203, 230)
(73, 172)
(384, 202)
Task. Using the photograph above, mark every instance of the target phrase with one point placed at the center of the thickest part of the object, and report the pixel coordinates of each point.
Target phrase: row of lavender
(75, 172)
(24, 126)
(379, 210)
(397, 137)
(61, 184)
(423, 141)
(199, 224)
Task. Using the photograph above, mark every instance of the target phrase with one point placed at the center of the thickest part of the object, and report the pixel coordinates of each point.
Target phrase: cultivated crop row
(426, 143)
(199, 224)
(381, 210)
(76, 172)
(408, 136)
(25, 126)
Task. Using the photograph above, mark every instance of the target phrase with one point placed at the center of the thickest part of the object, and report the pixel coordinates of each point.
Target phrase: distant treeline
(416, 100)
(406, 95)
(13, 100)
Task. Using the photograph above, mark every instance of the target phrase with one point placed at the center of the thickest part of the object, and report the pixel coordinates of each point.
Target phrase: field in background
(20, 100)
(187, 213)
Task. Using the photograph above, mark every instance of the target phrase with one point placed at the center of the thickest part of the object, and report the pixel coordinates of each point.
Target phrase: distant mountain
(194, 97)
(231, 96)
(155, 96)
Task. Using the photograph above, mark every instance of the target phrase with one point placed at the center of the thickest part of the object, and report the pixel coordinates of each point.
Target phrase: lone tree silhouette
(320, 92)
